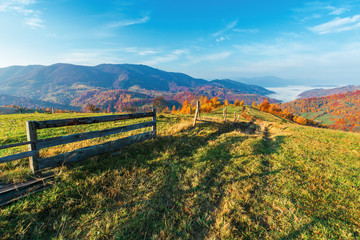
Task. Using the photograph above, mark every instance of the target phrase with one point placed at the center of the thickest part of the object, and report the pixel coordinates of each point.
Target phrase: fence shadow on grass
(163, 213)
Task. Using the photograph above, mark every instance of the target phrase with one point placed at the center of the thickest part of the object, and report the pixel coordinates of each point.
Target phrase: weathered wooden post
(234, 116)
(196, 112)
(154, 119)
(52, 111)
(31, 133)
(224, 113)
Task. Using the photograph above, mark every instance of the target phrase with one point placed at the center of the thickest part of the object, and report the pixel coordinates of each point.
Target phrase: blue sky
(310, 40)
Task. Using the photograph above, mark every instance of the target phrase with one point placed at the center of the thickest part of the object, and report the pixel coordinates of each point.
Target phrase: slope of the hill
(62, 83)
(339, 111)
(113, 100)
(328, 92)
(32, 103)
(241, 87)
(7, 110)
(214, 181)
(129, 76)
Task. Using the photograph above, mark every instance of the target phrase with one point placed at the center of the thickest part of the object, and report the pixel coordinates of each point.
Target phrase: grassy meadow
(216, 181)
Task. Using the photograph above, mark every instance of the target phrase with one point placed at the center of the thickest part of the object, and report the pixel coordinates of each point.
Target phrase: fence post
(224, 113)
(154, 119)
(234, 116)
(31, 133)
(196, 112)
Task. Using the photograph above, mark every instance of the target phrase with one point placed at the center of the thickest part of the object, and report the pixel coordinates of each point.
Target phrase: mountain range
(327, 92)
(63, 83)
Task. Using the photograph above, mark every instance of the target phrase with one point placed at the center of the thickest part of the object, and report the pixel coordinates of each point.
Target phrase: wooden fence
(35, 144)
(197, 116)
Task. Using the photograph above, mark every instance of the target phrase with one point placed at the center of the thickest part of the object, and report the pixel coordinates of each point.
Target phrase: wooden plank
(50, 142)
(17, 156)
(196, 112)
(23, 193)
(15, 145)
(31, 133)
(89, 120)
(14, 192)
(91, 151)
(17, 186)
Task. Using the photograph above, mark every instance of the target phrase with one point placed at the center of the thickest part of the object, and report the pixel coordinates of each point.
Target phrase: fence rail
(34, 144)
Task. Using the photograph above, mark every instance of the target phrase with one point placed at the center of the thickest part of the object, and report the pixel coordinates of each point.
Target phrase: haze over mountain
(268, 81)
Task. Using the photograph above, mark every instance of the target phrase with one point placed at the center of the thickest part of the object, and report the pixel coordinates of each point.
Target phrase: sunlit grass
(213, 181)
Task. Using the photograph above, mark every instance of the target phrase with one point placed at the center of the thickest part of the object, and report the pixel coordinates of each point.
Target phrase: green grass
(210, 182)
(321, 117)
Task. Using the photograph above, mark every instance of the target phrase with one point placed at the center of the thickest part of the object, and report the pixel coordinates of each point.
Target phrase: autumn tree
(93, 108)
(264, 106)
(185, 109)
(300, 120)
(159, 103)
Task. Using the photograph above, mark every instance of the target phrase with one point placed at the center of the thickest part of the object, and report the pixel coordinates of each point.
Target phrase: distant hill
(62, 83)
(132, 77)
(339, 111)
(7, 110)
(113, 100)
(327, 92)
(241, 87)
(24, 102)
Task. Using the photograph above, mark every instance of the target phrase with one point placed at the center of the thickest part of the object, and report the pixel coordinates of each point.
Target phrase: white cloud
(278, 49)
(90, 57)
(226, 29)
(220, 39)
(141, 52)
(180, 51)
(246, 30)
(338, 11)
(337, 25)
(170, 57)
(34, 22)
(320, 9)
(223, 38)
(16, 5)
(32, 17)
(128, 22)
(210, 57)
